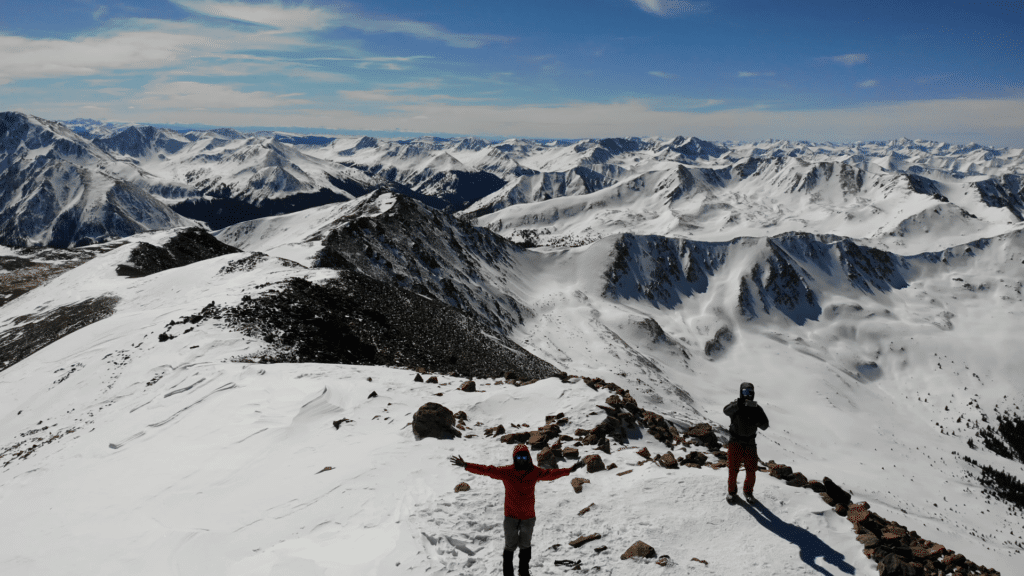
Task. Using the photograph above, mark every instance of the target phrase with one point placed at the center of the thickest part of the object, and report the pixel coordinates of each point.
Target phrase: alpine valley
(213, 346)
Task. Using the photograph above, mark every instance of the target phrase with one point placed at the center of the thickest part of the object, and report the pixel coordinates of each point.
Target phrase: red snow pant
(746, 455)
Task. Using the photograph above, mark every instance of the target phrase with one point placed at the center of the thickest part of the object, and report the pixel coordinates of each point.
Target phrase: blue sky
(718, 69)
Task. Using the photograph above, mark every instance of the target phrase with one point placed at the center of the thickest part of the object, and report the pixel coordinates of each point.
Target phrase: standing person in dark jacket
(520, 480)
(746, 418)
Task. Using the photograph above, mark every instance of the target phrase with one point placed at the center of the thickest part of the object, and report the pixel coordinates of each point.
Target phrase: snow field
(220, 468)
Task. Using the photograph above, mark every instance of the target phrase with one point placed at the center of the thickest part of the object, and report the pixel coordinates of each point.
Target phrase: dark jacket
(746, 417)
(519, 484)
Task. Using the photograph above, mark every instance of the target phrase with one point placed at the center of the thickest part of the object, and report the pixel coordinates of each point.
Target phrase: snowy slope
(841, 337)
(872, 292)
(184, 460)
(58, 189)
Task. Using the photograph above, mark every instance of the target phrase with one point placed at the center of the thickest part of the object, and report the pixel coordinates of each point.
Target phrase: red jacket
(519, 484)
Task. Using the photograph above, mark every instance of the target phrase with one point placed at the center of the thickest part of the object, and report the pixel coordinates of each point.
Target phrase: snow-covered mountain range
(872, 292)
(905, 196)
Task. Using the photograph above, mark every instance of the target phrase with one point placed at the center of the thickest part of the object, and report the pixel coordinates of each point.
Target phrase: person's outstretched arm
(480, 469)
(731, 408)
(556, 473)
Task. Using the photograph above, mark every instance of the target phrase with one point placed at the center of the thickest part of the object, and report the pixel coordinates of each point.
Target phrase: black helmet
(747, 391)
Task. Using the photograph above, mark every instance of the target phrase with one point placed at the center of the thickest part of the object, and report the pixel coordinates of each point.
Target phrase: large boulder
(548, 457)
(838, 495)
(594, 463)
(433, 420)
(639, 550)
(780, 471)
(695, 459)
(668, 460)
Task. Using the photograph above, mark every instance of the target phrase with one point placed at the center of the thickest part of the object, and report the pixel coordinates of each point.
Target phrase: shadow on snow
(811, 547)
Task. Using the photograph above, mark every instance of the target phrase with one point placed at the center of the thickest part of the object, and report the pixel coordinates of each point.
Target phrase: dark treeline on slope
(1006, 439)
(1000, 483)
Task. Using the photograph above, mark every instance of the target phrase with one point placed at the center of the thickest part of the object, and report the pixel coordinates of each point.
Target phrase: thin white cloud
(671, 7)
(306, 18)
(390, 96)
(849, 59)
(659, 74)
(743, 74)
(868, 84)
(199, 96)
(274, 15)
(150, 45)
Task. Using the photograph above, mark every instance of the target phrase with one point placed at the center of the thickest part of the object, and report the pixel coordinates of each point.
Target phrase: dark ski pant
(518, 533)
(746, 455)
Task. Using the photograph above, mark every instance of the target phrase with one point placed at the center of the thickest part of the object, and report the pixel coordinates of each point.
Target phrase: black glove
(457, 461)
(750, 404)
(576, 466)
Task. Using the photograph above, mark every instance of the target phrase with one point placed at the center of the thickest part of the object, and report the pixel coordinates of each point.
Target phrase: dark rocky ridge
(430, 253)
(186, 247)
(355, 319)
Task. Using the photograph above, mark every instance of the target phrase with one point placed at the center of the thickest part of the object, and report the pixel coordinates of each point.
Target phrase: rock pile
(897, 550)
(622, 414)
(539, 439)
(902, 552)
(704, 435)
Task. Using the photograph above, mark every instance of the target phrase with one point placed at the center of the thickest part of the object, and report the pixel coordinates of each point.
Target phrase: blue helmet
(747, 391)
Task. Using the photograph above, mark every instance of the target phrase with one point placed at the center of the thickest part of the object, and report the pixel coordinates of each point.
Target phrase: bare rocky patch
(355, 319)
(33, 332)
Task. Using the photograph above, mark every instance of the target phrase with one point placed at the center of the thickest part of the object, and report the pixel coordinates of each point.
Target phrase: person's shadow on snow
(811, 546)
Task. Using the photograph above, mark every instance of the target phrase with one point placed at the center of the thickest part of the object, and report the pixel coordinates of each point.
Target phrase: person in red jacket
(520, 480)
